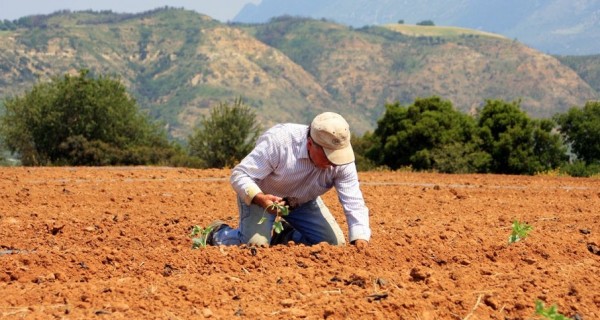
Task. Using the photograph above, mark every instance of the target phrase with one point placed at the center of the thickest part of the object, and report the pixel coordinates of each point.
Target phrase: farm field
(87, 243)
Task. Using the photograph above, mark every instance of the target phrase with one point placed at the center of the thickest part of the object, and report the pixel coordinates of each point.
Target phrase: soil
(86, 243)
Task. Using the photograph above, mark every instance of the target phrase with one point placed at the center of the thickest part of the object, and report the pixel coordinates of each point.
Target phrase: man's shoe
(284, 236)
(206, 236)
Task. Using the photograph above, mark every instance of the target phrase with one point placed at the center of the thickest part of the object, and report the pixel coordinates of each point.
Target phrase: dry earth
(87, 243)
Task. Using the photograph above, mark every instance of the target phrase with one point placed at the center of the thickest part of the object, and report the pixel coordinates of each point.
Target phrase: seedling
(519, 231)
(280, 211)
(202, 236)
(551, 313)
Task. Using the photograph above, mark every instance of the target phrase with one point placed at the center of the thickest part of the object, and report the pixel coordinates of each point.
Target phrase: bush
(226, 136)
(81, 120)
(581, 129)
(580, 169)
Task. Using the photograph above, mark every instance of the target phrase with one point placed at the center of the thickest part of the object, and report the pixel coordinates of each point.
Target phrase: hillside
(374, 65)
(587, 67)
(178, 64)
(552, 26)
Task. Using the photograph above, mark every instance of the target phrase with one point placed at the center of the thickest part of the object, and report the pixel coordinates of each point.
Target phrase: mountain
(553, 26)
(178, 64)
(587, 67)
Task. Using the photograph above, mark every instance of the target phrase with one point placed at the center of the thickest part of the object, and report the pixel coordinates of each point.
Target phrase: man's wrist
(250, 193)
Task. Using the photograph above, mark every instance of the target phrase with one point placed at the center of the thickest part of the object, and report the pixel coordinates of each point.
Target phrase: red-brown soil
(87, 243)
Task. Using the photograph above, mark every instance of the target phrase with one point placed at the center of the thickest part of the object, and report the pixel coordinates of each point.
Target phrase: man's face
(317, 155)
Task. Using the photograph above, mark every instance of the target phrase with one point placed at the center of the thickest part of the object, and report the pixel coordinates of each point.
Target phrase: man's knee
(337, 241)
(259, 240)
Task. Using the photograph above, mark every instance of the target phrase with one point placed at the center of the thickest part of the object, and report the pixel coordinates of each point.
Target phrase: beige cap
(332, 132)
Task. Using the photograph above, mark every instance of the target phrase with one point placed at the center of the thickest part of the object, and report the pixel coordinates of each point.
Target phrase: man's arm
(353, 203)
(258, 164)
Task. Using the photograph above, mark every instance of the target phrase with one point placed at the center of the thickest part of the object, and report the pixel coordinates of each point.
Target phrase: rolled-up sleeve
(353, 203)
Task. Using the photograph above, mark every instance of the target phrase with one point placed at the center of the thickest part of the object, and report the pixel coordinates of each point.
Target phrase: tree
(361, 145)
(81, 120)
(226, 136)
(426, 23)
(581, 129)
(517, 144)
(430, 134)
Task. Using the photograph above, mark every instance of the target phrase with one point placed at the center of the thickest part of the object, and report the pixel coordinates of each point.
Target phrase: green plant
(549, 313)
(519, 231)
(280, 211)
(81, 120)
(226, 136)
(199, 236)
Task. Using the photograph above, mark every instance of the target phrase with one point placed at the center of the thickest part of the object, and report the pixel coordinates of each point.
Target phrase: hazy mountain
(178, 64)
(552, 26)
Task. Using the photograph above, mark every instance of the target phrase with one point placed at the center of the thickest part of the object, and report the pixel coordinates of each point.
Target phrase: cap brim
(341, 156)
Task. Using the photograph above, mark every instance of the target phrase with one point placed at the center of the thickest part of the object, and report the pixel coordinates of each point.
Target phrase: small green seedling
(519, 231)
(199, 236)
(280, 212)
(550, 313)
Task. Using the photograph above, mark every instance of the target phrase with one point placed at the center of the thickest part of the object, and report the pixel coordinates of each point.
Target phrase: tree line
(86, 120)
(432, 135)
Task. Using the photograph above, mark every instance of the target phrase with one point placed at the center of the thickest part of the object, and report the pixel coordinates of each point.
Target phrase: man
(293, 165)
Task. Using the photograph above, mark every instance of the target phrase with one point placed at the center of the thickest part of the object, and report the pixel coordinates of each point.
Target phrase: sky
(222, 10)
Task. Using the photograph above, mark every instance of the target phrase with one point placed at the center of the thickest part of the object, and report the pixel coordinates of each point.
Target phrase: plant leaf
(196, 230)
(262, 220)
(278, 226)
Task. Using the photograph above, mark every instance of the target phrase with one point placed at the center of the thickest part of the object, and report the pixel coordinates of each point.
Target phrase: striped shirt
(279, 165)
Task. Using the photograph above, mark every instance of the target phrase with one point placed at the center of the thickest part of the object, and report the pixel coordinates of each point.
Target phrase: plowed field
(87, 243)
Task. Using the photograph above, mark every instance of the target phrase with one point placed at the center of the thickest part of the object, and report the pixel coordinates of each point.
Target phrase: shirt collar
(303, 148)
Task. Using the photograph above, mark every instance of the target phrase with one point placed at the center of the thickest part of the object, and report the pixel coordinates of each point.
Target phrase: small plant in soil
(199, 236)
(280, 210)
(520, 230)
(550, 313)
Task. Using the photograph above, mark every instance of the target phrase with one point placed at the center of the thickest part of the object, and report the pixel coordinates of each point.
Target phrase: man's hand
(265, 200)
(360, 244)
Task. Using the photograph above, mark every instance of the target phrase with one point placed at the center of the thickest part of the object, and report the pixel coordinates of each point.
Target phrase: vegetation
(515, 143)
(170, 66)
(551, 313)
(226, 136)
(86, 120)
(587, 67)
(431, 135)
(520, 231)
(280, 211)
(426, 23)
(581, 129)
(199, 236)
(81, 120)
(178, 63)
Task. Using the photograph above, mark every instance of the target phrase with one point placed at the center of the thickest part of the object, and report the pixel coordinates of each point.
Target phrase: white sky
(222, 10)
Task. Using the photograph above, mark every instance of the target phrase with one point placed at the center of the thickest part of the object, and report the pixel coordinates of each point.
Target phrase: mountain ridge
(555, 26)
(178, 64)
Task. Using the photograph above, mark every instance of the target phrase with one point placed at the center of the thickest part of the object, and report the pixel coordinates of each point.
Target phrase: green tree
(361, 145)
(81, 120)
(426, 23)
(430, 134)
(226, 136)
(581, 129)
(517, 144)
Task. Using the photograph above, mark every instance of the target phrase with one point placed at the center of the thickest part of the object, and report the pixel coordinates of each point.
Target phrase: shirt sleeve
(353, 203)
(258, 164)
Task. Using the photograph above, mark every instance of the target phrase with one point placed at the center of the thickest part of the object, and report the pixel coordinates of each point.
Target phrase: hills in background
(178, 64)
(553, 26)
